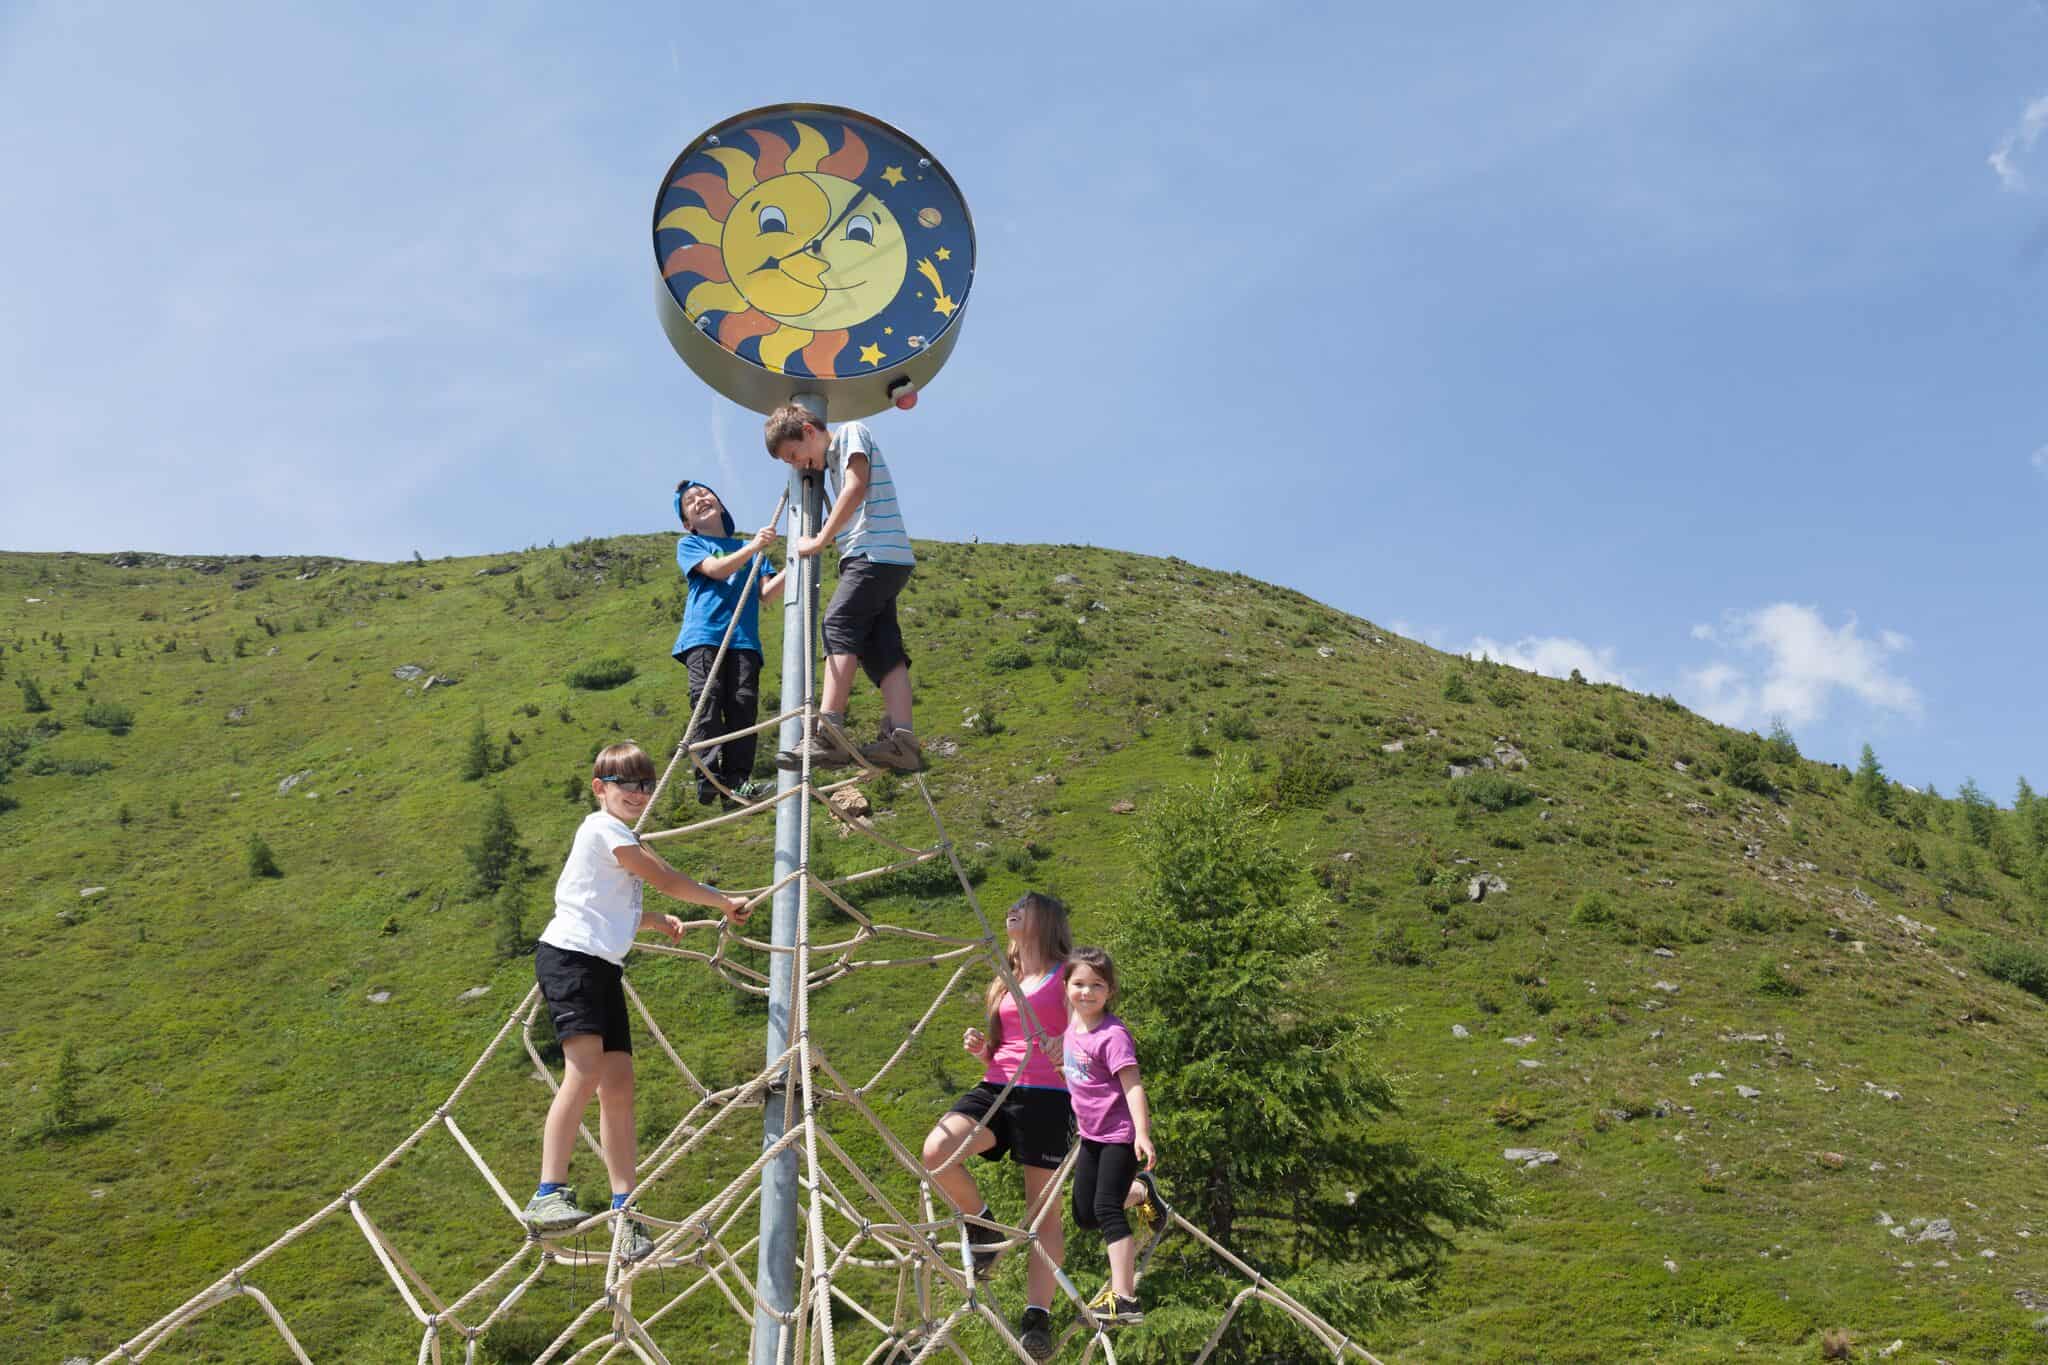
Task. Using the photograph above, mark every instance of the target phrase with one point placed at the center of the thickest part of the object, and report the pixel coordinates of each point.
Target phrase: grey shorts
(861, 619)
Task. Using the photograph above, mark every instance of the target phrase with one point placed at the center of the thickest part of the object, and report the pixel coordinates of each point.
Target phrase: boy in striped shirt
(875, 562)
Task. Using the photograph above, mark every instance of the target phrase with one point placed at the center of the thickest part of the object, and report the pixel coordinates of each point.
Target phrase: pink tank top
(1049, 1003)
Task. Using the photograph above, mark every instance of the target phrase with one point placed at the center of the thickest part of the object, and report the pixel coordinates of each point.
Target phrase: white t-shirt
(597, 902)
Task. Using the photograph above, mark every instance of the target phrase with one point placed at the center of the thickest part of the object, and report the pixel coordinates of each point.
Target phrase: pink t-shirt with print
(1092, 1060)
(1049, 1002)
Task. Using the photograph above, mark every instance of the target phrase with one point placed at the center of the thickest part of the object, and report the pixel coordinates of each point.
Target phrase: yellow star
(888, 331)
(871, 354)
(893, 174)
(944, 254)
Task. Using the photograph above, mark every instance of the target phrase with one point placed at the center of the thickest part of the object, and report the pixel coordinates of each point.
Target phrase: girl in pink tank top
(1020, 1110)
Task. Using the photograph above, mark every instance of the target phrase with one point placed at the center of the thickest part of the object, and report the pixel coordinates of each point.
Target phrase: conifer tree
(1980, 816)
(476, 760)
(1267, 1093)
(1873, 790)
(497, 857)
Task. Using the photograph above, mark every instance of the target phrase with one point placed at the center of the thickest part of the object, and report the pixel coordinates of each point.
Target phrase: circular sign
(805, 248)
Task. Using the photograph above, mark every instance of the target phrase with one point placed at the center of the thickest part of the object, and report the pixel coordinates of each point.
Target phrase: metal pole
(776, 1272)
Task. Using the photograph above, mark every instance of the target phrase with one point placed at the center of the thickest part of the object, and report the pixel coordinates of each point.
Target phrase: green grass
(234, 1075)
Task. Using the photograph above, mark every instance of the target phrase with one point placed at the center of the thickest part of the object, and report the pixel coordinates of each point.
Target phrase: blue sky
(1694, 345)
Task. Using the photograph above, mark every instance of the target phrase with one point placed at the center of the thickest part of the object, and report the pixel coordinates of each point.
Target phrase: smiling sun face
(789, 246)
(814, 251)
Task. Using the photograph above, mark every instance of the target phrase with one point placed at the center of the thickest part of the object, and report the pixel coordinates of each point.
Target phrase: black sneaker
(706, 793)
(1153, 1209)
(979, 1237)
(1034, 1333)
(1126, 1313)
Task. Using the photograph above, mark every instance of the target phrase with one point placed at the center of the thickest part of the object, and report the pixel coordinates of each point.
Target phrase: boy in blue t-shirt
(714, 562)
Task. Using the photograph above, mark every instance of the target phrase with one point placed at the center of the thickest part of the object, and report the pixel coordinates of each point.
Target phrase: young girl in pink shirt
(1033, 1124)
(1115, 1124)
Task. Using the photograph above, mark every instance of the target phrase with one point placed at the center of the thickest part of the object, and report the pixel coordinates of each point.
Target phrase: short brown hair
(1095, 960)
(788, 423)
(625, 759)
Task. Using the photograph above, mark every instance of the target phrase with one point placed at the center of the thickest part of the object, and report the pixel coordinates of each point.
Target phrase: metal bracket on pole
(776, 1271)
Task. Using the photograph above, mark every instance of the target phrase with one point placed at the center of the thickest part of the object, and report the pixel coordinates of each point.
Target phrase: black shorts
(1034, 1126)
(585, 994)
(861, 618)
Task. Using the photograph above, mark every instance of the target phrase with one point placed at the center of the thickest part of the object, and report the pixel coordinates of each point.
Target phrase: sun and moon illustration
(819, 245)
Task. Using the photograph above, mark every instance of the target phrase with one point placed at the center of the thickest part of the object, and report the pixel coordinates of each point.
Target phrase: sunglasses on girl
(643, 785)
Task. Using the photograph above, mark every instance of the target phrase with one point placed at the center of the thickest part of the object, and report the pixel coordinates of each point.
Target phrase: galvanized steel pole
(776, 1271)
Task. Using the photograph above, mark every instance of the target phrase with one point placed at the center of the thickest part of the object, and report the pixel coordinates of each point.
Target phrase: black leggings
(1102, 1181)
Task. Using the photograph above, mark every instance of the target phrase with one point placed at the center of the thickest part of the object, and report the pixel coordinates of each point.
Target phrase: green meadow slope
(1750, 1018)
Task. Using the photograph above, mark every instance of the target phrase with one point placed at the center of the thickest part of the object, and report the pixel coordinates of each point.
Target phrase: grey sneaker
(552, 1212)
(823, 747)
(898, 750)
(638, 1243)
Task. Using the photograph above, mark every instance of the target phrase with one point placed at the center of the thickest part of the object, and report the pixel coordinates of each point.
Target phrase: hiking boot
(897, 750)
(1034, 1333)
(552, 1212)
(637, 1243)
(823, 747)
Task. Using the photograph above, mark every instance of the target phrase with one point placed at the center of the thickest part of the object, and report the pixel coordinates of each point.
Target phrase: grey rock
(1484, 885)
(1530, 1062)
(1662, 952)
(237, 713)
(1325, 652)
(1460, 1031)
(1522, 1041)
(438, 680)
(1676, 766)
(1529, 1158)
(495, 570)
(1748, 1092)
(1668, 987)
(1940, 1230)
(86, 893)
(943, 748)
(1543, 815)
(1394, 748)
(407, 672)
(474, 993)
(379, 997)
(1861, 897)
(1510, 758)
(294, 780)
(1066, 580)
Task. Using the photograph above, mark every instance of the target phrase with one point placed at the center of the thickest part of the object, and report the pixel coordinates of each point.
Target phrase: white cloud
(1803, 665)
(1554, 656)
(2040, 460)
(2005, 158)
(1703, 632)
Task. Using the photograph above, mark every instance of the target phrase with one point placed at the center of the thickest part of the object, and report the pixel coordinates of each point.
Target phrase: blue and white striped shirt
(877, 530)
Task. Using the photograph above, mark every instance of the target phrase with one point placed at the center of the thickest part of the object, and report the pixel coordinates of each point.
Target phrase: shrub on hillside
(1771, 980)
(598, 675)
(1742, 764)
(109, 716)
(32, 700)
(1007, 658)
(1308, 776)
(262, 862)
(1594, 908)
(1779, 746)
(1456, 688)
(1490, 792)
(1753, 915)
(2018, 964)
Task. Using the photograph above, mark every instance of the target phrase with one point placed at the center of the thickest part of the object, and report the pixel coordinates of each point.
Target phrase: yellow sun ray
(696, 221)
(778, 346)
(810, 149)
(739, 168)
(714, 296)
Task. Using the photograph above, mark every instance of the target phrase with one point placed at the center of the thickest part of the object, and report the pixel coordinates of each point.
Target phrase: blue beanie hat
(685, 486)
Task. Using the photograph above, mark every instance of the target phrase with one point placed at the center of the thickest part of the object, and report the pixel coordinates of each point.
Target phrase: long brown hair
(1045, 925)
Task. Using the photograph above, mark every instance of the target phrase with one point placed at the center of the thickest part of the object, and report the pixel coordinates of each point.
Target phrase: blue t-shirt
(711, 602)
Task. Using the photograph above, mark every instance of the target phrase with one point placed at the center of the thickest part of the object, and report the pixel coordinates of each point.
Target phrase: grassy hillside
(1749, 1015)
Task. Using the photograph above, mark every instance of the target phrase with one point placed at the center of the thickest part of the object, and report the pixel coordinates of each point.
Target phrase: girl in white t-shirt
(580, 963)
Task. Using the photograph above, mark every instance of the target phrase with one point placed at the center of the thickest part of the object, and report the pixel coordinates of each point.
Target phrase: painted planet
(928, 217)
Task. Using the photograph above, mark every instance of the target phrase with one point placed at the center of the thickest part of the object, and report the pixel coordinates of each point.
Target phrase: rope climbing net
(886, 1274)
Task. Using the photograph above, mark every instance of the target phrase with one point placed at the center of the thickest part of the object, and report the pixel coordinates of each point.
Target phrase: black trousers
(1102, 1180)
(735, 703)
